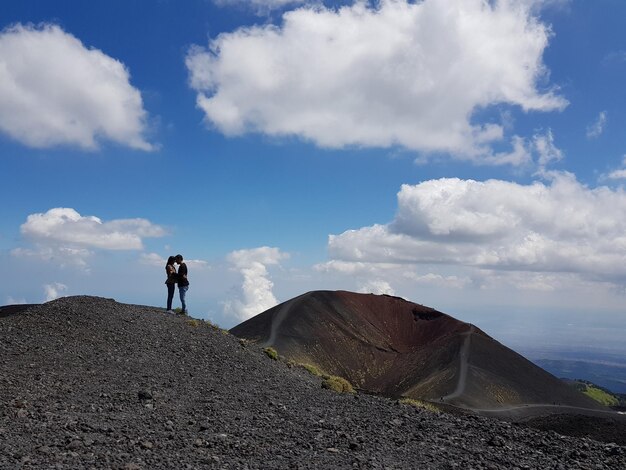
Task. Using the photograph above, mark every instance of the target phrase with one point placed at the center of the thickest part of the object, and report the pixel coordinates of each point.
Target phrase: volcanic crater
(397, 348)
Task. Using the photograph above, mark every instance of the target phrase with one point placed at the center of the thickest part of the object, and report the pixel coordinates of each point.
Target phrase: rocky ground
(86, 382)
(604, 430)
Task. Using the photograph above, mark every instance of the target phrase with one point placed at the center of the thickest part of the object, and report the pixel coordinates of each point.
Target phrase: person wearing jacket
(170, 282)
(183, 282)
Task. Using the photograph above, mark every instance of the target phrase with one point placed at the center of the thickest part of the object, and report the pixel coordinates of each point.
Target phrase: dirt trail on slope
(463, 366)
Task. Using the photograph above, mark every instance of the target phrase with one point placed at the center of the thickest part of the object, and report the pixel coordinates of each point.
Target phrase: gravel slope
(86, 382)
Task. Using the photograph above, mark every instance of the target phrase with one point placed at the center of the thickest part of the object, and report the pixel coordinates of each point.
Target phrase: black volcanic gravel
(86, 382)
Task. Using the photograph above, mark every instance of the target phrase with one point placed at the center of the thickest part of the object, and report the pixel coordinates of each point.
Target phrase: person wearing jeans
(183, 282)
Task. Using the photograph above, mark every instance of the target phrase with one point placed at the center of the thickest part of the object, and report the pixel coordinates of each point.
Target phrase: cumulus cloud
(556, 227)
(64, 234)
(15, 301)
(54, 290)
(396, 73)
(256, 294)
(65, 225)
(596, 129)
(54, 91)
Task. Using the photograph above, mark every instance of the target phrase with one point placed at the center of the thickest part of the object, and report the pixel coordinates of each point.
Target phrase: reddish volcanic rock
(390, 346)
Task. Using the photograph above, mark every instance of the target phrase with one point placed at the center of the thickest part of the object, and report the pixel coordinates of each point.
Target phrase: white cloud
(596, 129)
(65, 225)
(618, 174)
(56, 91)
(357, 268)
(152, 259)
(64, 235)
(197, 263)
(546, 151)
(54, 290)
(561, 227)
(432, 279)
(377, 277)
(399, 73)
(256, 294)
(378, 287)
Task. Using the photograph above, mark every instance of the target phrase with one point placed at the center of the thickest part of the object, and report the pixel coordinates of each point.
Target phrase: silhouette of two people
(174, 278)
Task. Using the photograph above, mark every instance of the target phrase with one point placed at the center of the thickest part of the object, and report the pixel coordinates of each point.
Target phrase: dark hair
(179, 257)
(170, 260)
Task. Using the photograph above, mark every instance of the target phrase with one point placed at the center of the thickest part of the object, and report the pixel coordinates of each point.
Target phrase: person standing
(183, 282)
(170, 282)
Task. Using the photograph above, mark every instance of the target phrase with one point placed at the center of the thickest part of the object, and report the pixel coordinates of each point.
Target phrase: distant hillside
(607, 375)
(394, 347)
(600, 394)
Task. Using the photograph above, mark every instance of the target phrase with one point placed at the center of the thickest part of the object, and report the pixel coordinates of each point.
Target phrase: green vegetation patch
(600, 396)
(314, 370)
(271, 353)
(338, 384)
(424, 405)
(194, 323)
(595, 392)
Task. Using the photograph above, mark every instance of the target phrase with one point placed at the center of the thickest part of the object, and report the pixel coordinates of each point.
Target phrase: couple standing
(174, 278)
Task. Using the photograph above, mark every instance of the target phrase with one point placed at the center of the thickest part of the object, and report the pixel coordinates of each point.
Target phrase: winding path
(463, 366)
(530, 410)
(513, 411)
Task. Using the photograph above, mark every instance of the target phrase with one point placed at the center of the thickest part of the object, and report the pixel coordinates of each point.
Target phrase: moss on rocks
(338, 384)
(271, 353)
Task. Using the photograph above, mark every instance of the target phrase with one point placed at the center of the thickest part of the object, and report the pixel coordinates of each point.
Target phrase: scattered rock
(147, 444)
(75, 444)
(496, 441)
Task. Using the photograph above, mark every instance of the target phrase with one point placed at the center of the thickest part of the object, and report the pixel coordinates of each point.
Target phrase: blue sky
(466, 155)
